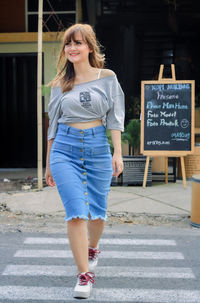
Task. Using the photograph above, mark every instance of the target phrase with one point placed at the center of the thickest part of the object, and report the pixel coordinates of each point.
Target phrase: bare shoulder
(106, 73)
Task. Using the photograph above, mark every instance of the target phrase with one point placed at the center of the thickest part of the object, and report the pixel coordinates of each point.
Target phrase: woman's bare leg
(78, 238)
(95, 230)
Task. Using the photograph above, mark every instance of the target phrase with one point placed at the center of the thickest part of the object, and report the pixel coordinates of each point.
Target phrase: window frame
(28, 13)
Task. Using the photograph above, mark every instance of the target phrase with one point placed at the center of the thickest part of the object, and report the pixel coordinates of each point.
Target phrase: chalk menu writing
(167, 116)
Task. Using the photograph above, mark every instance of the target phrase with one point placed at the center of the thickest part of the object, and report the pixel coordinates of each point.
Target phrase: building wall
(50, 50)
(12, 16)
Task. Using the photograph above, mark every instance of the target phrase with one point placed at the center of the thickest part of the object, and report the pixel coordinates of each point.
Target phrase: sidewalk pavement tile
(46, 201)
(162, 198)
(145, 205)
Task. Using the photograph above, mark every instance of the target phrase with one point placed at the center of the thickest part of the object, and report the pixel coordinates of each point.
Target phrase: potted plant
(132, 135)
(134, 164)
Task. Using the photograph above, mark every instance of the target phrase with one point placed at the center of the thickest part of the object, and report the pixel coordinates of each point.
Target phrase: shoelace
(86, 277)
(93, 253)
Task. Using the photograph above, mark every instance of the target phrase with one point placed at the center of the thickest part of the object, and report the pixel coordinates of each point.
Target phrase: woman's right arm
(48, 175)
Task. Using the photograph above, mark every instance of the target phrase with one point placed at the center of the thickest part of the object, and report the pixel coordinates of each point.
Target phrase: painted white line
(101, 271)
(99, 294)
(55, 241)
(41, 253)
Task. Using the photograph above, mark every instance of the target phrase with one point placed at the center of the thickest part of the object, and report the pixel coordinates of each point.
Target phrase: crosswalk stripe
(101, 271)
(160, 242)
(101, 294)
(40, 253)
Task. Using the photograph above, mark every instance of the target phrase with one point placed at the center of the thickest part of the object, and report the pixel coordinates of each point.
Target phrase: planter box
(134, 167)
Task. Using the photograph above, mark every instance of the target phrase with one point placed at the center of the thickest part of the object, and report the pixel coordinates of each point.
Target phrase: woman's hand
(49, 178)
(117, 163)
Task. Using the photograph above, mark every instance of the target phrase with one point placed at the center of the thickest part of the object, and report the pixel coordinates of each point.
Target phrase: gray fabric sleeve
(54, 111)
(116, 114)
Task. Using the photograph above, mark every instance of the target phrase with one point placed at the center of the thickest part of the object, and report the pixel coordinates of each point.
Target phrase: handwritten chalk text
(157, 142)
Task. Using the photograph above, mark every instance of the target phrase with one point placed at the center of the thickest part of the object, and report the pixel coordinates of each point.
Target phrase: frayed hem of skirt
(98, 217)
(77, 217)
(85, 218)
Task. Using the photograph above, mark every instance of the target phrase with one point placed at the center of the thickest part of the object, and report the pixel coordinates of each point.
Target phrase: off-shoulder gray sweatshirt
(98, 99)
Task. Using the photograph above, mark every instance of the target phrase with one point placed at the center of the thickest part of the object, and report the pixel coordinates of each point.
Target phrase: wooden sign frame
(167, 153)
(161, 80)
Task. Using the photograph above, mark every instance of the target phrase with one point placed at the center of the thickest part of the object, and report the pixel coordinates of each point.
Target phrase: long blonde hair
(65, 69)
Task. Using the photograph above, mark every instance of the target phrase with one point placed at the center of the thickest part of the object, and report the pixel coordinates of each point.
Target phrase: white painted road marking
(100, 294)
(55, 241)
(106, 294)
(41, 253)
(101, 271)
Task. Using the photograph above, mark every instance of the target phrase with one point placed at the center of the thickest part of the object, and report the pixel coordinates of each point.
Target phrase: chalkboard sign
(167, 124)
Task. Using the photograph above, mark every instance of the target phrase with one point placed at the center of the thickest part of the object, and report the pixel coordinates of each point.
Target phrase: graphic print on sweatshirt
(85, 99)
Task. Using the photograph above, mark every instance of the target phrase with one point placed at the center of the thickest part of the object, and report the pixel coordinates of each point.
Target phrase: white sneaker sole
(81, 295)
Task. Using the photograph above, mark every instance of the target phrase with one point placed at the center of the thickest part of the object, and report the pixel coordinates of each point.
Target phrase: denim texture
(81, 165)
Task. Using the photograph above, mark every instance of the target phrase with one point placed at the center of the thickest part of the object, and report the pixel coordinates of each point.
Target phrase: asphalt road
(137, 264)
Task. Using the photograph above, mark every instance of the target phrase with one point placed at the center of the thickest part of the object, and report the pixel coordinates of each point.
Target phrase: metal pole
(78, 11)
(39, 98)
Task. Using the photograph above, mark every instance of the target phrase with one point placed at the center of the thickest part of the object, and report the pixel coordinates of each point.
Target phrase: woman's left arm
(117, 160)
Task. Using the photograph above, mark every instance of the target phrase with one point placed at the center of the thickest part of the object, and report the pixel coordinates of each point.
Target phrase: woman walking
(85, 100)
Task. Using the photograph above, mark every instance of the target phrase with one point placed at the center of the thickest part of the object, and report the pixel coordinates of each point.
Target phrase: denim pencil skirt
(81, 166)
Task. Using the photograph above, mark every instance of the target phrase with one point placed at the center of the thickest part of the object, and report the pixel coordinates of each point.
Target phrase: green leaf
(132, 133)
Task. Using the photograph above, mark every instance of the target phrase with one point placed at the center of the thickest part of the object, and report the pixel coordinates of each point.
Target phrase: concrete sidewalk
(160, 199)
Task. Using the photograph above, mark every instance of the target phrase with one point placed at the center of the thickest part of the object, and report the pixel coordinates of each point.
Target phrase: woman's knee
(97, 221)
(77, 221)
